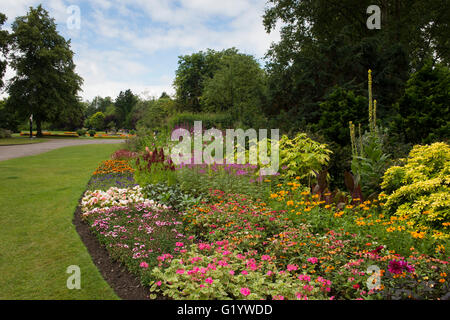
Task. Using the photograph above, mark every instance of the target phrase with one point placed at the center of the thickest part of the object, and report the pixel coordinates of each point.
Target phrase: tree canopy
(45, 83)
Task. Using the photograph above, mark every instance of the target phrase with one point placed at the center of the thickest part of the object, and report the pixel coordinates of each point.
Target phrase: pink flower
(304, 277)
(313, 260)
(245, 291)
(244, 272)
(231, 272)
(209, 280)
(279, 297)
(179, 244)
(180, 271)
(265, 257)
(158, 283)
(144, 265)
(292, 267)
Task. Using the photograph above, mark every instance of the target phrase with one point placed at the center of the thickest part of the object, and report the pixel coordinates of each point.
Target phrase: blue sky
(123, 44)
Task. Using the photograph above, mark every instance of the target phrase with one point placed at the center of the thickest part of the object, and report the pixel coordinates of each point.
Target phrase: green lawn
(38, 197)
(20, 140)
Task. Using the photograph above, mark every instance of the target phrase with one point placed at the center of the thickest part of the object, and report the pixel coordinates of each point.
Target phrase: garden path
(16, 151)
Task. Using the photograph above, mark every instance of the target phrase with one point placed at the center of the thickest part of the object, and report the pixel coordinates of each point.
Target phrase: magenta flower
(209, 280)
(292, 267)
(144, 265)
(313, 260)
(245, 291)
(180, 271)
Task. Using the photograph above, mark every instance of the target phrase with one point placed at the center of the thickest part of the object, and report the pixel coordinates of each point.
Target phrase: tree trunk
(38, 128)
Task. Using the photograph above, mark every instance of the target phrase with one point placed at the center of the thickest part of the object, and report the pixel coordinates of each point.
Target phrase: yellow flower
(290, 203)
(273, 195)
(418, 234)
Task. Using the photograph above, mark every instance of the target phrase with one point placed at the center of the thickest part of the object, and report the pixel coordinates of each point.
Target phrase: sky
(135, 44)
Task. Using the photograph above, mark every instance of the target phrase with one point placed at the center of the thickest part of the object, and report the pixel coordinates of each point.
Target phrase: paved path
(10, 152)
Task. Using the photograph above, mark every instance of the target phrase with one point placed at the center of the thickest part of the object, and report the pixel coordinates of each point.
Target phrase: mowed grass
(38, 197)
(20, 140)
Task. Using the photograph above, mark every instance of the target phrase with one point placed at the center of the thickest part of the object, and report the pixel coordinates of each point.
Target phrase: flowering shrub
(247, 229)
(420, 190)
(115, 197)
(219, 270)
(136, 234)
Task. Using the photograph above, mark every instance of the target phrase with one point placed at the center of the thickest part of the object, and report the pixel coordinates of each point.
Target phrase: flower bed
(292, 245)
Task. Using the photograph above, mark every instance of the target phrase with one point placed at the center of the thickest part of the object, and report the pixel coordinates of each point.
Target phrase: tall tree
(325, 43)
(4, 46)
(45, 83)
(125, 102)
(238, 87)
(193, 70)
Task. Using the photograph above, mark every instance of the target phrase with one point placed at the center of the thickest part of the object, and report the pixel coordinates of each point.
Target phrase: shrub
(302, 157)
(231, 178)
(81, 132)
(420, 188)
(209, 120)
(424, 114)
(4, 133)
(123, 155)
(92, 133)
(171, 196)
(154, 167)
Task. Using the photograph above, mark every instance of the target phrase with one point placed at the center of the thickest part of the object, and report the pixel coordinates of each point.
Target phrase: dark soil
(125, 284)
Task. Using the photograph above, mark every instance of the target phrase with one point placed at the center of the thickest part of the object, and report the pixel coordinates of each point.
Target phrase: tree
(45, 83)
(192, 72)
(238, 87)
(156, 113)
(4, 48)
(97, 121)
(326, 43)
(125, 102)
(424, 113)
(339, 108)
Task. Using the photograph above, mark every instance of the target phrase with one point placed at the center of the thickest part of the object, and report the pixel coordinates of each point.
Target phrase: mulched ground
(124, 284)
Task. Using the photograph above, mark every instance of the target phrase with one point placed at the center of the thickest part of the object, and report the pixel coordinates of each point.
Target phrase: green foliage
(125, 103)
(97, 121)
(92, 133)
(420, 189)
(209, 120)
(192, 72)
(4, 48)
(4, 133)
(81, 132)
(302, 157)
(156, 113)
(237, 87)
(424, 113)
(45, 83)
(325, 43)
(340, 107)
(200, 179)
(170, 195)
(8, 118)
(369, 163)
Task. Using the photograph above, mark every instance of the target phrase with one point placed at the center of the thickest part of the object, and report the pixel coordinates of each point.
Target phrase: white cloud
(120, 41)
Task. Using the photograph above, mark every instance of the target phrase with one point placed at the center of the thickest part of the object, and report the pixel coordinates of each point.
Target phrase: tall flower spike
(374, 114)
(370, 99)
